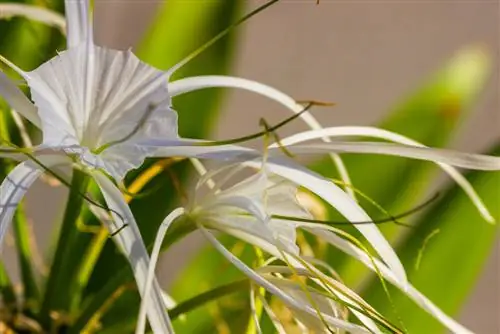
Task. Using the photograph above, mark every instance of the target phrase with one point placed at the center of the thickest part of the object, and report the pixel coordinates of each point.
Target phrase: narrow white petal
(298, 175)
(286, 298)
(343, 203)
(17, 183)
(253, 310)
(190, 84)
(79, 26)
(17, 100)
(130, 241)
(280, 329)
(14, 67)
(141, 321)
(450, 157)
(35, 13)
(193, 148)
(365, 131)
(408, 289)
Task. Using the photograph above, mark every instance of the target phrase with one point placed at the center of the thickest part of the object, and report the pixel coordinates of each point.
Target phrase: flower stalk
(57, 292)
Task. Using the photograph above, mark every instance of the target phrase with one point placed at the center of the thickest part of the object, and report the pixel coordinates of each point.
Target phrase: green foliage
(451, 261)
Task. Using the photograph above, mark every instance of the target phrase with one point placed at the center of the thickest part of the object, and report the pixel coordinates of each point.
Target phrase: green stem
(57, 293)
(208, 296)
(179, 229)
(23, 245)
(86, 267)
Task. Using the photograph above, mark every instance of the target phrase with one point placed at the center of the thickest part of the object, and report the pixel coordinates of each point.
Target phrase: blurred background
(362, 55)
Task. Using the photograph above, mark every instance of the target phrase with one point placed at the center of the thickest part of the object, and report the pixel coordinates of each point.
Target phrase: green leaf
(452, 259)
(430, 116)
(179, 28)
(6, 288)
(209, 269)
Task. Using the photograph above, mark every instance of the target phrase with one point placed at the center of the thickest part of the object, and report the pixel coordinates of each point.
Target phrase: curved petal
(141, 322)
(296, 174)
(343, 203)
(130, 241)
(286, 298)
(35, 13)
(186, 85)
(408, 289)
(366, 131)
(450, 157)
(17, 100)
(17, 183)
(79, 26)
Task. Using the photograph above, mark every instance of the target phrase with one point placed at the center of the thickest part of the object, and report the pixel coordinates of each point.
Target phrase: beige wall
(361, 54)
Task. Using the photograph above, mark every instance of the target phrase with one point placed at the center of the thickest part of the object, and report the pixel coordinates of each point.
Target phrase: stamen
(389, 219)
(118, 231)
(276, 138)
(258, 134)
(151, 107)
(28, 153)
(220, 35)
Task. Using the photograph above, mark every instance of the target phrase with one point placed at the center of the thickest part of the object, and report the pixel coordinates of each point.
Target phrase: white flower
(105, 110)
(254, 210)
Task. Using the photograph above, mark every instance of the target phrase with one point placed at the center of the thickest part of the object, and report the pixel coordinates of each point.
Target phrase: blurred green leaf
(6, 289)
(430, 116)
(27, 44)
(451, 261)
(179, 28)
(207, 270)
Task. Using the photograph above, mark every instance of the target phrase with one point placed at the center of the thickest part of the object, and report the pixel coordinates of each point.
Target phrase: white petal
(272, 316)
(286, 298)
(193, 148)
(130, 241)
(17, 183)
(141, 322)
(408, 289)
(365, 131)
(454, 158)
(35, 13)
(343, 203)
(301, 176)
(186, 85)
(17, 100)
(79, 28)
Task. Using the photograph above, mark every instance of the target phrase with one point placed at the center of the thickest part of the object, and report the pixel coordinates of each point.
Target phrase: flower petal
(190, 84)
(408, 289)
(130, 241)
(450, 157)
(79, 26)
(17, 183)
(17, 100)
(366, 131)
(141, 322)
(286, 298)
(35, 13)
(343, 203)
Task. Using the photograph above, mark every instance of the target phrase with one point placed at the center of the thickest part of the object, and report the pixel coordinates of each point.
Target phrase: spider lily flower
(105, 110)
(244, 210)
(254, 210)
